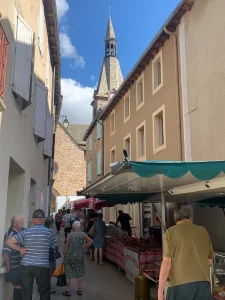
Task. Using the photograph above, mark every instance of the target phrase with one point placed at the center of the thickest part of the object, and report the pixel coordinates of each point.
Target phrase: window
(99, 130)
(112, 122)
(98, 164)
(3, 60)
(140, 92)
(141, 143)
(127, 144)
(89, 172)
(157, 73)
(41, 29)
(127, 107)
(159, 138)
(90, 143)
(113, 155)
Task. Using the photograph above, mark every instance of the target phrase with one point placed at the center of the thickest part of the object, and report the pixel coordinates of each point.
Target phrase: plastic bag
(61, 280)
(60, 270)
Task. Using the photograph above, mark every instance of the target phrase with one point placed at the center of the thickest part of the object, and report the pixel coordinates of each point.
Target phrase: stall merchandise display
(219, 276)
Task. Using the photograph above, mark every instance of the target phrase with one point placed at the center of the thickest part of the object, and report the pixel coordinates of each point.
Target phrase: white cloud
(68, 50)
(62, 8)
(92, 77)
(76, 101)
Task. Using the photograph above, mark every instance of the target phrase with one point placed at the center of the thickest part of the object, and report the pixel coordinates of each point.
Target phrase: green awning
(113, 199)
(202, 170)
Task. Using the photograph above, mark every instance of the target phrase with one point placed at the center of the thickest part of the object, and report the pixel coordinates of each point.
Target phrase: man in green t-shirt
(187, 257)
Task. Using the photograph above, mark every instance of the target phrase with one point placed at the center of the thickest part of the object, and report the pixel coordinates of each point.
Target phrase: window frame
(113, 113)
(90, 143)
(156, 148)
(125, 97)
(157, 57)
(143, 157)
(99, 130)
(141, 78)
(111, 150)
(124, 143)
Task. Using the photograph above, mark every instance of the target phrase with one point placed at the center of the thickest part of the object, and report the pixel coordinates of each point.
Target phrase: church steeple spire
(111, 76)
(110, 40)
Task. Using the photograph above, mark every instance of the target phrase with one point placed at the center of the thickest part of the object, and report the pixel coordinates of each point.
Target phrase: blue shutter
(98, 164)
(89, 172)
(99, 131)
(90, 143)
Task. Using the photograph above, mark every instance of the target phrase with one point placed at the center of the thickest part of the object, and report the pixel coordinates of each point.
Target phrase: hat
(38, 214)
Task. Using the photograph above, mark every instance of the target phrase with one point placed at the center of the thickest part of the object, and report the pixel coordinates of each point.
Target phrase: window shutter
(41, 29)
(40, 110)
(89, 172)
(3, 60)
(90, 143)
(48, 136)
(99, 131)
(23, 60)
(98, 164)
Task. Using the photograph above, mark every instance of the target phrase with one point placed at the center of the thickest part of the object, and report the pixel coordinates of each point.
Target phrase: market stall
(132, 254)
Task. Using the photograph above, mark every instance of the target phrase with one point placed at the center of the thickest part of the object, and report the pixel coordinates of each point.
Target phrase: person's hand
(161, 295)
(23, 251)
(7, 269)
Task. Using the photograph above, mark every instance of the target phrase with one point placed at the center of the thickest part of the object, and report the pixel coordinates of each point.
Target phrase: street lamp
(66, 123)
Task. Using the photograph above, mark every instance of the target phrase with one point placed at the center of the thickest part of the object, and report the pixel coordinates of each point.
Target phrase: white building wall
(21, 155)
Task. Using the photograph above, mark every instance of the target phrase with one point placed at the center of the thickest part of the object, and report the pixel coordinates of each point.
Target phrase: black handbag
(61, 280)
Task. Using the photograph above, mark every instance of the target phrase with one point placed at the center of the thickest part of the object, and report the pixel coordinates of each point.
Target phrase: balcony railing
(3, 60)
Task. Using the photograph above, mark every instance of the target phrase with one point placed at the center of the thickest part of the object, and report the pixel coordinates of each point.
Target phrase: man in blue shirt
(36, 242)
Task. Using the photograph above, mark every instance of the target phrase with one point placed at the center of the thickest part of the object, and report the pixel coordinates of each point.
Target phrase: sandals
(79, 293)
(67, 294)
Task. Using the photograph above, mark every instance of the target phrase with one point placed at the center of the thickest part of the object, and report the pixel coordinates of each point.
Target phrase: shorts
(199, 290)
(14, 276)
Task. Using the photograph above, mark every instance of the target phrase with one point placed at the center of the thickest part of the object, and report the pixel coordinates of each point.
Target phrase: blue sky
(82, 28)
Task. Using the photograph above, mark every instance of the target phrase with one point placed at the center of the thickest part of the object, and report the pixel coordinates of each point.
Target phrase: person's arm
(53, 242)
(165, 268)
(13, 242)
(66, 248)
(6, 259)
(88, 241)
(130, 219)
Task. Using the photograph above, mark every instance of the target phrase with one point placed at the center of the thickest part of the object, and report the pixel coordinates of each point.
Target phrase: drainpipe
(177, 92)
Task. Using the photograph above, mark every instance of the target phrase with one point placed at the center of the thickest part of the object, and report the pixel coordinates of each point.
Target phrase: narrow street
(101, 282)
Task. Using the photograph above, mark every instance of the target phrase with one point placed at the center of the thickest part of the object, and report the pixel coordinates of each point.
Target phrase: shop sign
(131, 264)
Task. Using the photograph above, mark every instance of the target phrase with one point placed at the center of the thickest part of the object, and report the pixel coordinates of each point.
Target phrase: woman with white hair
(76, 242)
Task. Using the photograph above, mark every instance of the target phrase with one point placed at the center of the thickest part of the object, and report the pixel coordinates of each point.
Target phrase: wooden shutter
(40, 110)
(3, 60)
(41, 28)
(23, 60)
(90, 143)
(89, 172)
(99, 131)
(98, 164)
(48, 136)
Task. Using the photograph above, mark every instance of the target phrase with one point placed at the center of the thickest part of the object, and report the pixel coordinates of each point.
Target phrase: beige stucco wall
(167, 96)
(204, 27)
(71, 175)
(91, 155)
(16, 134)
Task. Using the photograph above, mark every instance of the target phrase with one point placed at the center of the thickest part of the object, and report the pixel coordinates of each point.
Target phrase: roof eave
(153, 48)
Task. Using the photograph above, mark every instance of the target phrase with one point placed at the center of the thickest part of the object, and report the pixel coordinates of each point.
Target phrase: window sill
(112, 133)
(157, 88)
(156, 150)
(126, 119)
(2, 105)
(140, 105)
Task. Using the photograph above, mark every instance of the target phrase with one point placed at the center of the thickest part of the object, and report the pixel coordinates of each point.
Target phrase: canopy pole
(163, 206)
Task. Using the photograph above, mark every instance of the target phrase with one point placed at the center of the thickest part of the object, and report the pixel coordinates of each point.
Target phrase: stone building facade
(70, 160)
